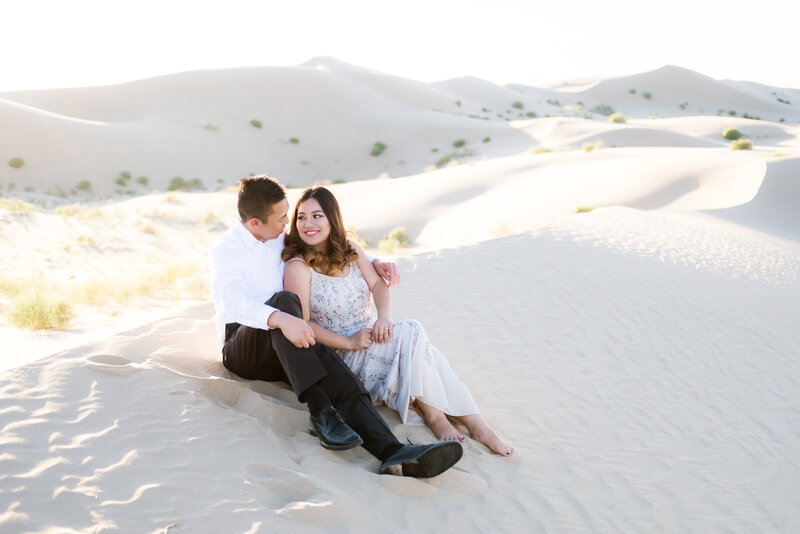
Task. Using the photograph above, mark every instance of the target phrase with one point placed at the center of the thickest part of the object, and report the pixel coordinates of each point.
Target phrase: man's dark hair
(257, 195)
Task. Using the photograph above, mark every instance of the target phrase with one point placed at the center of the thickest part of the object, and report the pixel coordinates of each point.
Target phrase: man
(263, 337)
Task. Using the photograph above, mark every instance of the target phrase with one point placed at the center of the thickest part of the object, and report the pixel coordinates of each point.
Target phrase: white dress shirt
(245, 273)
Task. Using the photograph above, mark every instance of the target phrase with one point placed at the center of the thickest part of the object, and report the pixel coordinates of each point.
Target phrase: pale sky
(60, 43)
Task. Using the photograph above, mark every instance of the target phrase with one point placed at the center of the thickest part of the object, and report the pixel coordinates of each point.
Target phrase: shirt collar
(244, 235)
(249, 239)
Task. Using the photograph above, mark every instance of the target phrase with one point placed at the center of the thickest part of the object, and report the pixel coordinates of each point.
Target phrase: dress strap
(297, 258)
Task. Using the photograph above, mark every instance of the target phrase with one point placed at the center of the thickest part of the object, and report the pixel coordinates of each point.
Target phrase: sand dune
(641, 358)
(184, 124)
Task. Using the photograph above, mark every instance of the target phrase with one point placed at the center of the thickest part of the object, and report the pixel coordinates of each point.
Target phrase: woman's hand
(361, 339)
(382, 330)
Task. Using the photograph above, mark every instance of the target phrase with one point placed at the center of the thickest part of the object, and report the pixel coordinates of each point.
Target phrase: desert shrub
(553, 102)
(211, 127)
(603, 109)
(16, 162)
(255, 123)
(588, 147)
(517, 104)
(458, 103)
(648, 95)
(70, 210)
(397, 238)
(732, 134)
(444, 160)
(540, 150)
(618, 118)
(583, 209)
(783, 101)
(632, 91)
(732, 113)
(294, 140)
(531, 114)
(742, 144)
(378, 148)
(487, 139)
(38, 312)
(143, 180)
(434, 149)
(84, 186)
(458, 143)
(179, 184)
(16, 205)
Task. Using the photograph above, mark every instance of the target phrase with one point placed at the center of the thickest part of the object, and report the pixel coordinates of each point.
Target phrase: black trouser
(258, 354)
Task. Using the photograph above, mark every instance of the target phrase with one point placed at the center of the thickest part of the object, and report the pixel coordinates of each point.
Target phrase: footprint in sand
(296, 496)
(111, 364)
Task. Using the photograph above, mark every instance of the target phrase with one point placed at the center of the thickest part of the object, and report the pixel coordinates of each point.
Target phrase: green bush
(84, 186)
(732, 134)
(458, 143)
(517, 105)
(603, 109)
(378, 148)
(294, 140)
(742, 144)
(648, 95)
(487, 139)
(531, 114)
(458, 103)
(179, 184)
(618, 118)
(37, 312)
(397, 238)
(143, 180)
(255, 123)
(16, 162)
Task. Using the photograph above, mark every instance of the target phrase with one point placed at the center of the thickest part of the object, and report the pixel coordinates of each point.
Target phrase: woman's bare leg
(480, 431)
(437, 421)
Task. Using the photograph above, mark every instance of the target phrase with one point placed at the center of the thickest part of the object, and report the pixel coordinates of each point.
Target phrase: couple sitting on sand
(296, 307)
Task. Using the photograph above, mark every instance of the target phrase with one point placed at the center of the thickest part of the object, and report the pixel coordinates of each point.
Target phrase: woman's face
(312, 224)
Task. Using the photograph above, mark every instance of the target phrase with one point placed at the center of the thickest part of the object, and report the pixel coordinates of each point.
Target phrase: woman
(397, 364)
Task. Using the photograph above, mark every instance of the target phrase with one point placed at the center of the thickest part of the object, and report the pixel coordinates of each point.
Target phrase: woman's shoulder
(296, 266)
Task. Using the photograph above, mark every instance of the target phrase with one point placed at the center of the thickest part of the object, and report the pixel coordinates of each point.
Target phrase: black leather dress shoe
(422, 461)
(332, 431)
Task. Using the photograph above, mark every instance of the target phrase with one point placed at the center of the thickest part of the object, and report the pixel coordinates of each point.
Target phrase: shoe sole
(332, 447)
(432, 463)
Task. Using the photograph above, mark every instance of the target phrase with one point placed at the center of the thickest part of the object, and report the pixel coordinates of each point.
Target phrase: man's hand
(294, 329)
(387, 271)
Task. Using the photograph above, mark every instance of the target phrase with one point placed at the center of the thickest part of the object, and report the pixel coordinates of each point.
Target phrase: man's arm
(293, 328)
(386, 270)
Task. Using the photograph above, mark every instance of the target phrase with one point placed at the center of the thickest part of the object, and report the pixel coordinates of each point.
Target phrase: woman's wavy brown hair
(339, 252)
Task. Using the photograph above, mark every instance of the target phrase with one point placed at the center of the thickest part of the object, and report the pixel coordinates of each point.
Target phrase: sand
(642, 358)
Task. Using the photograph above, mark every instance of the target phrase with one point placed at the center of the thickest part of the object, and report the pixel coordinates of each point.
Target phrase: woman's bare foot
(437, 421)
(480, 431)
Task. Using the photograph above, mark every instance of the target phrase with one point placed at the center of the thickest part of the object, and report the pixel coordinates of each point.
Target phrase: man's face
(275, 223)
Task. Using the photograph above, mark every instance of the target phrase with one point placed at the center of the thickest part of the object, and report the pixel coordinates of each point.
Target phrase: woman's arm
(382, 329)
(297, 279)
